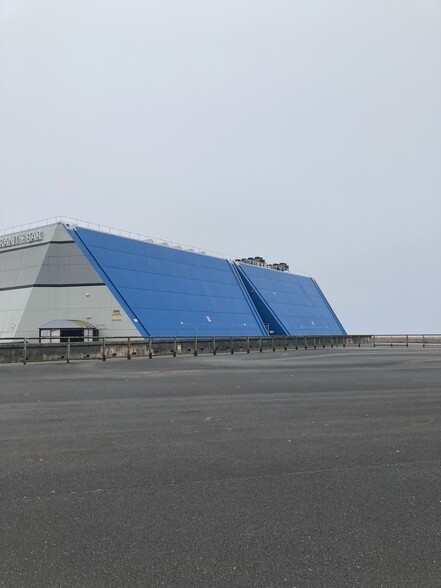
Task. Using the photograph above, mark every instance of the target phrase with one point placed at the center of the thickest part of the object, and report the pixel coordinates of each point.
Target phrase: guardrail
(120, 233)
(37, 349)
(111, 230)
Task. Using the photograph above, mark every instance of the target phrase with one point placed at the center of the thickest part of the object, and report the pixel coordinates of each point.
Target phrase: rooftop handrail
(120, 233)
(107, 229)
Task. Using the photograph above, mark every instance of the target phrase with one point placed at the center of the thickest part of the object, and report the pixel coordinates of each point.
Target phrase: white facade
(44, 276)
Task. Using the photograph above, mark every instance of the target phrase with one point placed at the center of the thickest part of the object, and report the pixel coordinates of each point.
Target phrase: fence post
(359, 341)
(231, 345)
(261, 347)
(103, 351)
(286, 345)
(68, 350)
(373, 340)
(195, 352)
(315, 346)
(248, 344)
(174, 347)
(214, 345)
(297, 344)
(407, 340)
(129, 354)
(24, 351)
(424, 342)
(150, 348)
(274, 345)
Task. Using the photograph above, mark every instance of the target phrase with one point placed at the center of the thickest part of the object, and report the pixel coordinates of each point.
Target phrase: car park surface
(303, 468)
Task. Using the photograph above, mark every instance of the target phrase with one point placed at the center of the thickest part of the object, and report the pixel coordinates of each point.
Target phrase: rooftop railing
(110, 230)
(120, 233)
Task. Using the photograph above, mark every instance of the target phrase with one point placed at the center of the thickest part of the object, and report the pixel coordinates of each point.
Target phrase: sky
(300, 131)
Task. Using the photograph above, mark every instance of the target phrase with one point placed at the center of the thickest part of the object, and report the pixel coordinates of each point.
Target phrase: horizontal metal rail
(36, 349)
(120, 233)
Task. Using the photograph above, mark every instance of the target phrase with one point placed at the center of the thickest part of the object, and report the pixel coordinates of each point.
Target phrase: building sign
(21, 239)
(116, 315)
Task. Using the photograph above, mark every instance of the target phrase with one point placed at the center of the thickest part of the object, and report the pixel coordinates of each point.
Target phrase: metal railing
(120, 233)
(112, 231)
(37, 349)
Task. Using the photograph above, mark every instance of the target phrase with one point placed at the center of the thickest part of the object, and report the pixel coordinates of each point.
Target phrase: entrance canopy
(67, 324)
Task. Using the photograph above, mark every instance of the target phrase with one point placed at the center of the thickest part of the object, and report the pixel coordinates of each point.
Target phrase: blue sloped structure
(169, 292)
(289, 304)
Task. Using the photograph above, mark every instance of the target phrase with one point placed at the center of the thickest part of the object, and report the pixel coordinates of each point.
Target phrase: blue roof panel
(288, 303)
(171, 292)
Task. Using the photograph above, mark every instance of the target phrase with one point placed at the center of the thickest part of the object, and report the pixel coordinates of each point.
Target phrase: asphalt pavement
(310, 468)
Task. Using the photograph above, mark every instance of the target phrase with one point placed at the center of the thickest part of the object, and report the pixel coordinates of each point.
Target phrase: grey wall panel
(20, 267)
(65, 264)
(44, 264)
(12, 306)
(60, 233)
(54, 260)
(94, 304)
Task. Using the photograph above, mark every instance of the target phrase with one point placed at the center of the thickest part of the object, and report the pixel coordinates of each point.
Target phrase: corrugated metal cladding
(169, 292)
(290, 304)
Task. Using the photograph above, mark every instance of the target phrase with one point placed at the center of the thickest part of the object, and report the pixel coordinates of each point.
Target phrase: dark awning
(67, 324)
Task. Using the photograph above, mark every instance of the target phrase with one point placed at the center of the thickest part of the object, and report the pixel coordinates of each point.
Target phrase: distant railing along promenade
(37, 349)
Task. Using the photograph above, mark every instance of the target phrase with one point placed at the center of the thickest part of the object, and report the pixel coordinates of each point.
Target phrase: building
(62, 279)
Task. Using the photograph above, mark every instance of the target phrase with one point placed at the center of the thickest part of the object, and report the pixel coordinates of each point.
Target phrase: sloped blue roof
(290, 304)
(170, 292)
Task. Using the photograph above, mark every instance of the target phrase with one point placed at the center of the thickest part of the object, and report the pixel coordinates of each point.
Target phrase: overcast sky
(302, 131)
